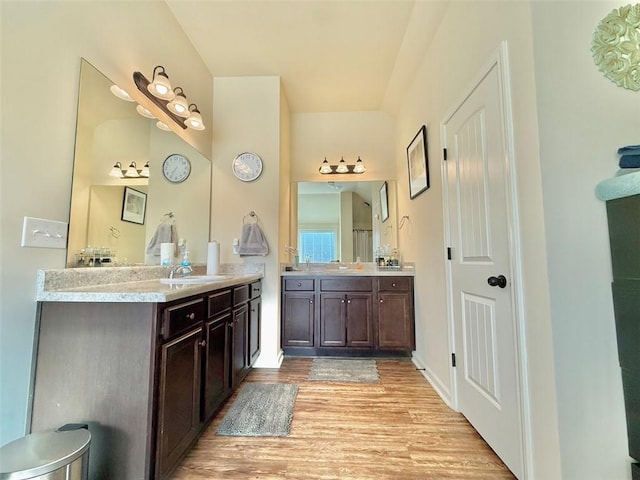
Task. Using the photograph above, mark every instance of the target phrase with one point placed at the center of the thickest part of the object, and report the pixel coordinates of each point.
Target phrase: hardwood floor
(397, 429)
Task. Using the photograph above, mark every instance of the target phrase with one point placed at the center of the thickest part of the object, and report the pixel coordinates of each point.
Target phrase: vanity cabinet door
(395, 314)
(179, 398)
(239, 323)
(333, 328)
(359, 314)
(253, 330)
(216, 366)
(298, 319)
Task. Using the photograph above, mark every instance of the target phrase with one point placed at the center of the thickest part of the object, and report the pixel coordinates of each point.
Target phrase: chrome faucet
(176, 269)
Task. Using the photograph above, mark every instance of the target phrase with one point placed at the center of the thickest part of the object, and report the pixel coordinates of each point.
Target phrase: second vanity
(146, 364)
(365, 312)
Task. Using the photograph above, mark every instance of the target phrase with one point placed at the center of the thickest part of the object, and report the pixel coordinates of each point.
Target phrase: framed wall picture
(418, 162)
(384, 203)
(134, 206)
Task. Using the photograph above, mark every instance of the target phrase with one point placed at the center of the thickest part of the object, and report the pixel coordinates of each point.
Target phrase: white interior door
(486, 375)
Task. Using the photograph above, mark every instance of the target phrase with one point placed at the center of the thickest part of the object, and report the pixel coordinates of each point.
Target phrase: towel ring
(249, 216)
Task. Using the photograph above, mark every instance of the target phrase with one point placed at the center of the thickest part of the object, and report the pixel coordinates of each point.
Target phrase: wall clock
(247, 166)
(176, 168)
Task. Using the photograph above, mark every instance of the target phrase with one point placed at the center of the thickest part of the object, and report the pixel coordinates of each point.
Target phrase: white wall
(469, 33)
(583, 119)
(42, 42)
(247, 118)
(315, 136)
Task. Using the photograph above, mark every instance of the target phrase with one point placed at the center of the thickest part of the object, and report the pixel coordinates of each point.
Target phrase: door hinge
(444, 153)
(449, 254)
(453, 359)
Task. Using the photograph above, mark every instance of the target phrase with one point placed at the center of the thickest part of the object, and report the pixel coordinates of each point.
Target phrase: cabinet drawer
(240, 295)
(299, 284)
(351, 284)
(218, 302)
(256, 289)
(394, 284)
(181, 317)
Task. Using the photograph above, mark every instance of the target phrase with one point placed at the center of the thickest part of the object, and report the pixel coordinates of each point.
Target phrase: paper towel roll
(213, 258)
(166, 253)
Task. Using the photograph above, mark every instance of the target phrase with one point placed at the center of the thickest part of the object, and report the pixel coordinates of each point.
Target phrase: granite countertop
(368, 270)
(130, 284)
(624, 184)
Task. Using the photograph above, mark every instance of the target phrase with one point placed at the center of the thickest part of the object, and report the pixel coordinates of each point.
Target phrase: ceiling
(331, 55)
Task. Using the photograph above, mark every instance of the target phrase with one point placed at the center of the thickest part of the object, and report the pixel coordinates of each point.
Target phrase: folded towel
(630, 161)
(633, 149)
(165, 233)
(252, 241)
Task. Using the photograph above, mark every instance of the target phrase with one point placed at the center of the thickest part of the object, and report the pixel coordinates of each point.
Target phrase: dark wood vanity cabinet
(395, 313)
(217, 386)
(355, 315)
(147, 377)
(298, 312)
(255, 321)
(180, 391)
(624, 235)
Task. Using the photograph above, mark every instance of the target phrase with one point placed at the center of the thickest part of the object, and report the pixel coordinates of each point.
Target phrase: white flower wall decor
(616, 46)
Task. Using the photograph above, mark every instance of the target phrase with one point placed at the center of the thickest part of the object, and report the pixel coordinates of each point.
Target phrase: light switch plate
(41, 233)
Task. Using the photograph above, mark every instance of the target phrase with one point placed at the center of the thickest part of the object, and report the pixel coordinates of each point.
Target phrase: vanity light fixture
(172, 102)
(342, 167)
(195, 118)
(121, 94)
(163, 126)
(145, 170)
(160, 86)
(131, 172)
(144, 112)
(116, 171)
(325, 167)
(179, 104)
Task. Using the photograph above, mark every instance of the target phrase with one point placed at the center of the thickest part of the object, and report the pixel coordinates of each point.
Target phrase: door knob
(499, 281)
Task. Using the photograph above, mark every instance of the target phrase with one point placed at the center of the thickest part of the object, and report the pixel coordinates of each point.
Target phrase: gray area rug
(260, 410)
(340, 370)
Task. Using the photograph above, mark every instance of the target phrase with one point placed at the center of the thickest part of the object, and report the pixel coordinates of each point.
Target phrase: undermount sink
(194, 279)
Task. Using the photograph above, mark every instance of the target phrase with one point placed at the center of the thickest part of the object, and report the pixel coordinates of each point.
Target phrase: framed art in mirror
(384, 203)
(134, 206)
(417, 161)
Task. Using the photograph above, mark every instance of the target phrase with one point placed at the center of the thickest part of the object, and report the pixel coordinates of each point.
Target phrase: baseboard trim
(441, 389)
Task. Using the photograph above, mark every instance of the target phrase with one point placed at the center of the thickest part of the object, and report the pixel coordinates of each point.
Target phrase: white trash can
(61, 454)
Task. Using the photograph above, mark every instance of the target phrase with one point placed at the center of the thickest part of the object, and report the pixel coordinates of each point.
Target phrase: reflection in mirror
(342, 221)
(109, 130)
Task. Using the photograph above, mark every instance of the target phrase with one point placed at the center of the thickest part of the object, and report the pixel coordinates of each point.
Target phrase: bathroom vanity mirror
(109, 130)
(341, 221)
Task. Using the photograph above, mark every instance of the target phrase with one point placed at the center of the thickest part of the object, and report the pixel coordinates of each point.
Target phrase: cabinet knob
(191, 316)
(299, 284)
(311, 302)
(381, 301)
(393, 285)
(348, 301)
(341, 301)
(202, 343)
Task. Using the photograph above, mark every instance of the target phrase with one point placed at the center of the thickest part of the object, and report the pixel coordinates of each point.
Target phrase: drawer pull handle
(202, 343)
(191, 316)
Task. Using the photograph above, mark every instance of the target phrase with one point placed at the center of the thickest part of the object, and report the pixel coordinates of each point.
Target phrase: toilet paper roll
(166, 253)
(213, 258)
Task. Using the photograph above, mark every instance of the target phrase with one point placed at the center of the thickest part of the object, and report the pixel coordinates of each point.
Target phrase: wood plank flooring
(397, 429)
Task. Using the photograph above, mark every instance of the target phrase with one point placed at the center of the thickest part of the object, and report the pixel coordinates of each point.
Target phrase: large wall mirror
(344, 221)
(110, 130)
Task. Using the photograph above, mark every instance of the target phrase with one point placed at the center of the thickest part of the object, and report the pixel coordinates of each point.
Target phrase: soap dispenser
(186, 263)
